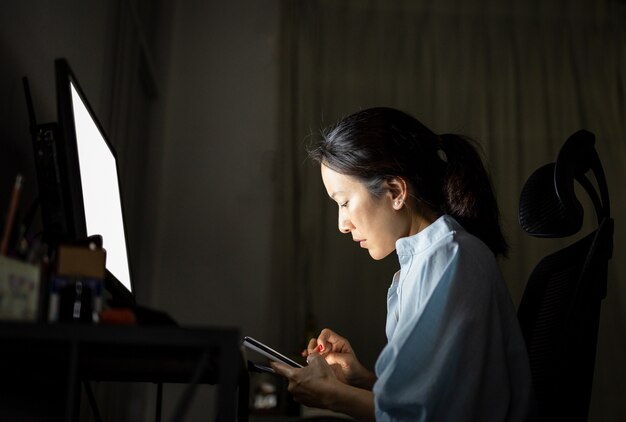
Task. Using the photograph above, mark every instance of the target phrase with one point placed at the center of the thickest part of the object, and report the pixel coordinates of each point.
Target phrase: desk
(53, 359)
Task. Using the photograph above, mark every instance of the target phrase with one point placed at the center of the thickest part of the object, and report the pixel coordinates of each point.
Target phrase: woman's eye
(343, 204)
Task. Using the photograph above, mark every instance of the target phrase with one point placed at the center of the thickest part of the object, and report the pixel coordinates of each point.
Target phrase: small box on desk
(76, 286)
(81, 261)
(19, 290)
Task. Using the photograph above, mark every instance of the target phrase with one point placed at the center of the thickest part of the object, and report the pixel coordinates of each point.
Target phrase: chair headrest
(548, 204)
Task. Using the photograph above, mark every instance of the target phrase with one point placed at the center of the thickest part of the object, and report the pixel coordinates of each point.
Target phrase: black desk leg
(92, 401)
(183, 403)
(72, 398)
(229, 380)
(243, 397)
(159, 402)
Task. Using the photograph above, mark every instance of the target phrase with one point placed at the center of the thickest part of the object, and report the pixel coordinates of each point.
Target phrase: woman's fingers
(325, 340)
(282, 369)
(329, 341)
(312, 347)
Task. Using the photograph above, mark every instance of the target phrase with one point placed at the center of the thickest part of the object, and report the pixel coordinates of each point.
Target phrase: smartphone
(268, 352)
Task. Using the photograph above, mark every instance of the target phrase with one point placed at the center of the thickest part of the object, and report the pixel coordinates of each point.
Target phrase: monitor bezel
(71, 178)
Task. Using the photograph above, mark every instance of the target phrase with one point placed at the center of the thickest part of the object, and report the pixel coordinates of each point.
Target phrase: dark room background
(210, 105)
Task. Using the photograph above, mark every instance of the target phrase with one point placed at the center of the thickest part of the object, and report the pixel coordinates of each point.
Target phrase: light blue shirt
(455, 350)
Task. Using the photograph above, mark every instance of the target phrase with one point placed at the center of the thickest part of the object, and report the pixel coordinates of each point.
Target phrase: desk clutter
(20, 282)
(68, 289)
(20, 287)
(38, 284)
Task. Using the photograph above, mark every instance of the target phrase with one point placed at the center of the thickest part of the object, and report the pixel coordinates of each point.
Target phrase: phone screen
(268, 352)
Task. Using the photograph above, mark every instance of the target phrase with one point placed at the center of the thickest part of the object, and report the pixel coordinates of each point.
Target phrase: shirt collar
(412, 245)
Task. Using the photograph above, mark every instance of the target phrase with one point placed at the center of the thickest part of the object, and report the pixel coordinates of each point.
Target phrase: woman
(455, 350)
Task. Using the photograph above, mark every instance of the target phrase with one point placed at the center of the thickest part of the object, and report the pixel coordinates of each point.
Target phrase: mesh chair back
(560, 309)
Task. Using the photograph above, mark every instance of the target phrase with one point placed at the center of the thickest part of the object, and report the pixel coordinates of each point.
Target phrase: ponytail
(468, 193)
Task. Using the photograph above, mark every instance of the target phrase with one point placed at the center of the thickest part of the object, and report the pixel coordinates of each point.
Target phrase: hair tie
(440, 151)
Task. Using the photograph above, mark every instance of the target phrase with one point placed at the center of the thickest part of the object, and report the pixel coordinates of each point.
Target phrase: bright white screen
(101, 192)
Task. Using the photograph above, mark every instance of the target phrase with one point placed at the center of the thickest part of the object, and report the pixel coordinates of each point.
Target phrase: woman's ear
(398, 190)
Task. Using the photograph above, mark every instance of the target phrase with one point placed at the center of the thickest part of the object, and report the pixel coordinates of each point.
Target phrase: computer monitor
(79, 189)
(90, 181)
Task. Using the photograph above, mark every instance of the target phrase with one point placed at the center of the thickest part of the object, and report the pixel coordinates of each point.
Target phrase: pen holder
(19, 290)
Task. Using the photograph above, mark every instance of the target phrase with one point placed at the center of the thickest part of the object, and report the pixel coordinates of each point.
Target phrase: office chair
(560, 308)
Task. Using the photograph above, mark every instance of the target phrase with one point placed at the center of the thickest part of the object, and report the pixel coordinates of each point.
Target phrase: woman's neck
(422, 219)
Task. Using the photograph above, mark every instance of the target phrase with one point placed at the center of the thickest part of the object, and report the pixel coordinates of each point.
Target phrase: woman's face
(373, 222)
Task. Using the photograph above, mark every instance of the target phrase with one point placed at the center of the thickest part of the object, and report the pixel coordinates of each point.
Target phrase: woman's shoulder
(467, 242)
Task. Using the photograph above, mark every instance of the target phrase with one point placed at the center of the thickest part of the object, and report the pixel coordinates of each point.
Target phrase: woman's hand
(339, 354)
(311, 385)
(316, 385)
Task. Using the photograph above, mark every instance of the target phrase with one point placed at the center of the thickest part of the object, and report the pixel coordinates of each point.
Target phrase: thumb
(282, 369)
(314, 359)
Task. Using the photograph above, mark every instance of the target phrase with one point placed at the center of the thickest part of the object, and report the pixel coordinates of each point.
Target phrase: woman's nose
(345, 226)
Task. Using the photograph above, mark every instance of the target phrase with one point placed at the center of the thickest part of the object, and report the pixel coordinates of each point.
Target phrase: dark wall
(32, 34)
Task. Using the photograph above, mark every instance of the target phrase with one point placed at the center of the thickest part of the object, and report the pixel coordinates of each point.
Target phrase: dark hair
(445, 172)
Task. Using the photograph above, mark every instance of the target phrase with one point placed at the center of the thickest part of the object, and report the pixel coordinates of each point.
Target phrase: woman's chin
(377, 254)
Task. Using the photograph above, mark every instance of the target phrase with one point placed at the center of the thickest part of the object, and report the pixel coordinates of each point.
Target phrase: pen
(8, 226)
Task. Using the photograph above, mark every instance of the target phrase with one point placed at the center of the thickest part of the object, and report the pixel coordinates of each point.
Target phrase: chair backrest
(560, 309)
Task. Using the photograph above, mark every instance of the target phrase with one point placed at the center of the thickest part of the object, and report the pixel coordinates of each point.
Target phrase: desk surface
(122, 353)
(41, 353)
